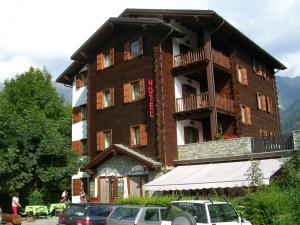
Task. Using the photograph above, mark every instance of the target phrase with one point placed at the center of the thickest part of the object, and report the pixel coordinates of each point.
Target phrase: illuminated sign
(150, 94)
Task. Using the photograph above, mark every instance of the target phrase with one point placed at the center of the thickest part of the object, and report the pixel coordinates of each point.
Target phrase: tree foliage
(34, 133)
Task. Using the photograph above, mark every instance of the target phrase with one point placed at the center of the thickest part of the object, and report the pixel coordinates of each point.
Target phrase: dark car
(85, 213)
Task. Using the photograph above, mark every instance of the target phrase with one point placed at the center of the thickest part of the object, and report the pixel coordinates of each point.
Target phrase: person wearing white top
(15, 204)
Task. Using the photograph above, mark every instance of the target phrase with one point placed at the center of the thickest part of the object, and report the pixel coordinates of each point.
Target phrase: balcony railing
(221, 59)
(224, 103)
(199, 55)
(272, 143)
(189, 57)
(193, 102)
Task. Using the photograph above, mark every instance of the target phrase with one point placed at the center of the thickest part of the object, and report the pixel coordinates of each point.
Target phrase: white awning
(217, 175)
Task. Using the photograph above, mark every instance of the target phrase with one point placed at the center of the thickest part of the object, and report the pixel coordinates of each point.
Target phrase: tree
(254, 174)
(34, 134)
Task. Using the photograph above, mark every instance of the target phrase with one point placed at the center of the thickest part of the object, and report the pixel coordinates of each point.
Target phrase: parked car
(85, 213)
(196, 212)
(136, 215)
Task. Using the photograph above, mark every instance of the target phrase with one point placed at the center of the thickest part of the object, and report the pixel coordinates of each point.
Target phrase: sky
(45, 33)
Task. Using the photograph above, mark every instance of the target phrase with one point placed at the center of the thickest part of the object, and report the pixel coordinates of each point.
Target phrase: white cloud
(16, 65)
(292, 62)
(53, 30)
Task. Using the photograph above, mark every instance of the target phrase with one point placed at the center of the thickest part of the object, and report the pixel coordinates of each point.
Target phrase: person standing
(15, 203)
(64, 196)
(83, 197)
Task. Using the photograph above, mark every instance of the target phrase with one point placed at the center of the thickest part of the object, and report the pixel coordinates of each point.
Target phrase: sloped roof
(123, 150)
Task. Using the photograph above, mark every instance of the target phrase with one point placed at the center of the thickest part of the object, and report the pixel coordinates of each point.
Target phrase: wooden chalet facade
(157, 79)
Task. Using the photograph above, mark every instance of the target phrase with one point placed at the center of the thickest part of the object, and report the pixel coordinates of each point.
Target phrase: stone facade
(219, 148)
(296, 137)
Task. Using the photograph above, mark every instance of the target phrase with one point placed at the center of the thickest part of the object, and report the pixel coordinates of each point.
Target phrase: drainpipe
(275, 95)
(162, 101)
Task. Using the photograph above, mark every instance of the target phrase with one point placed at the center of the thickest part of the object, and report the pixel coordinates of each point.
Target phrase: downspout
(162, 101)
(276, 97)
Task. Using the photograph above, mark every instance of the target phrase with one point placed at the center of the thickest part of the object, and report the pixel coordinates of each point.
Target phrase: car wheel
(184, 219)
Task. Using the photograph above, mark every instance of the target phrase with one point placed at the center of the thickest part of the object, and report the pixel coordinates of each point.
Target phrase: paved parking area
(42, 221)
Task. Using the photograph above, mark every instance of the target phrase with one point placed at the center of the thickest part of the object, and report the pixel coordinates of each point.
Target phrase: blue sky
(45, 33)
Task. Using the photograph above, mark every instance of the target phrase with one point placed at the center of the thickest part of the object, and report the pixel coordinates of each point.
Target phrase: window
(120, 187)
(152, 215)
(138, 135)
(133, 49)
(245, 114)
(134, 91)
(263, 132)
(105, 59)
(261, 102)
(260, 69)
(269, 105)
(80, 147)
(191, 135)
(105, 98)
(79, 114)
(242, 75)
(222, 213)
(104, 139)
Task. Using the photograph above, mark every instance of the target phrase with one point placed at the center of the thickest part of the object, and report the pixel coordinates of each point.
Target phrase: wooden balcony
(191, 103)
(224, 103)
(200, 101)
(198, 55)
(220, 59)
(189, 57)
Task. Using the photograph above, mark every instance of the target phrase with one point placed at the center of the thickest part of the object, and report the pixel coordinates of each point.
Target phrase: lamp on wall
(192, 122)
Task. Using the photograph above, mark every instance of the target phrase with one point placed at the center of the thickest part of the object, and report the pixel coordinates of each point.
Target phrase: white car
(196, 212)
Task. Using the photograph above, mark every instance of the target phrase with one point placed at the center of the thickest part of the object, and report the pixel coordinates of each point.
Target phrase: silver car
(136, 215)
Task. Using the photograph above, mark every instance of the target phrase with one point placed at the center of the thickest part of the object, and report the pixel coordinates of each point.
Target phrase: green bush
(147, 200)
(36, 198)
(273, 205)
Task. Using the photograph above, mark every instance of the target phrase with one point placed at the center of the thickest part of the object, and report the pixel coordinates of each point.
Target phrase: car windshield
(195, 209)
(76, 210)
(222, 213)
(124, 213)
(98, 211)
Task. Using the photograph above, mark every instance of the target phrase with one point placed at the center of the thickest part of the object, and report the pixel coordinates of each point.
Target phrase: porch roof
(122, 150)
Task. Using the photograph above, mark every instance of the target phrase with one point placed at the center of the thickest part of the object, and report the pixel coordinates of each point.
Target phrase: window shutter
(258, 99)
(131, 136)
(143, 135)
(127, 92)
(142, 88)
(100, 141)
(100, 100)
(77, 147)
(263, 103)
(269, 105)
(76, 186)
(259, 69)
(244, 76)
(100, 62)
(255, 69)
(248, 115)
(141, 51)
(264, 71)
(127, 51)
(75, 114)
(186, 135)
(112, 96)
(112, 56)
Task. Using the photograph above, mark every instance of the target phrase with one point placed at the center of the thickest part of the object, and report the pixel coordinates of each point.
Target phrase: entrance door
(104, 190)
(135, 186)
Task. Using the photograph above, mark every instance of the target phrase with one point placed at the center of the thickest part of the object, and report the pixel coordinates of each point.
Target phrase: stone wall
(296, 137)
(218, 148)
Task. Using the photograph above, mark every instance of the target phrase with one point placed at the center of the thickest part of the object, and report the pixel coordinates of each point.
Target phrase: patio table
(55, 206)
(36, 210)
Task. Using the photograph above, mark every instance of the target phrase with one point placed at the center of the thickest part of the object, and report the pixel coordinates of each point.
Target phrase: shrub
(36, 198)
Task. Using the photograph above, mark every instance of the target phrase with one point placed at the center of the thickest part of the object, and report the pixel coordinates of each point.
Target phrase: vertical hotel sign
(150, 90)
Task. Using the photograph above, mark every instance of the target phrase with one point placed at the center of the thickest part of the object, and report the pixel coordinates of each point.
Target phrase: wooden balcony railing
(189, 57)
(224, 103)
(221, 59)
(193, 102)
(272, 143)
(199, 55)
